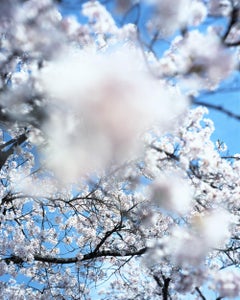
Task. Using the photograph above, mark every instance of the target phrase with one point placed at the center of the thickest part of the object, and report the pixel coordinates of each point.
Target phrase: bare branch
(218, 108)
(200, 293)
(166, 282)
(233, 20)
(70, 260)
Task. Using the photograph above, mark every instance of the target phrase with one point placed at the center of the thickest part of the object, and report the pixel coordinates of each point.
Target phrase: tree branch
(233, 20)
(70, 260)
(166, 282)
(200, 293)
(4, 155)
(106, 236)
(218, 108)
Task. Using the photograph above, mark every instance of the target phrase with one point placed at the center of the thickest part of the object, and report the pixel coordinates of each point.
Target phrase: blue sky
(226, 128)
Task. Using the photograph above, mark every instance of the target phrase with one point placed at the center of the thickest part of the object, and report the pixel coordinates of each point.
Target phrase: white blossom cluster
(110, 184)
(200, 55)
(181, 13)
(108, 110)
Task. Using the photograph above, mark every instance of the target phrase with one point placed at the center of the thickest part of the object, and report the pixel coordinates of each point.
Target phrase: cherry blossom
(112, 186)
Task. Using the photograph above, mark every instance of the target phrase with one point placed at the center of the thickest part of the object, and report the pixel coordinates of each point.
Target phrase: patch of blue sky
(72, 8)
(226, 96)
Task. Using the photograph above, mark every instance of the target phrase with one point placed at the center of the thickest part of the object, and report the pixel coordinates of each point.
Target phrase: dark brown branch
(158, 281)
(13, 142)
(233, 20)
(15, 259)
(200, 293)
(232, 44)
(169, 155)
(71, 260)
(106, 236)
(218, 108)
(136, 8)
(166, 282)
(4, 155)
(231, 157)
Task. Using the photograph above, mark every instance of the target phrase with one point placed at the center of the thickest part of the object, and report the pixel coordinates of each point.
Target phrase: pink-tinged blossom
(190, 247)
(213, 228)
(172, 194)
(39, 31)
(103, 109)
(169, 18)
(228, 283)
(198, 13)
(219, 7)
(77, 34)
(199, 59)
(99, 18)
(3, 268)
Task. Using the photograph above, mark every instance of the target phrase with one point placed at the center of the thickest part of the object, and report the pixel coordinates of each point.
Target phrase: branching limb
(106, 236)
(4, 155)
(70, 260)
(166, 282)
(233, 20)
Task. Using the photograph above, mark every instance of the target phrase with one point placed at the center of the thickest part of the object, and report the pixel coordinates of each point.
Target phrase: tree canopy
(111, 185)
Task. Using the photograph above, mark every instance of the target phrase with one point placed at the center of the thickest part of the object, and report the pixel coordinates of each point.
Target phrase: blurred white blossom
(169, 18)
(172, 194)
(102, 111)
(202, 56)
(228, 283)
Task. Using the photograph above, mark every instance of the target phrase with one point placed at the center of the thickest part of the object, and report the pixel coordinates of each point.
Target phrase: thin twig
(218, 108)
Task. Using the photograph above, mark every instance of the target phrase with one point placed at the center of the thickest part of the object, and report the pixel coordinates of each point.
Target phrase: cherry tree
(111, 186)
